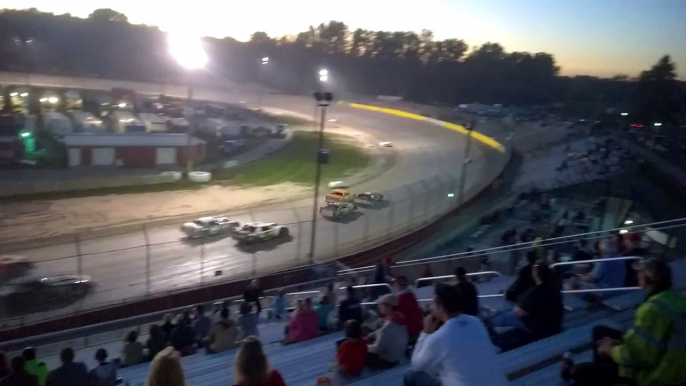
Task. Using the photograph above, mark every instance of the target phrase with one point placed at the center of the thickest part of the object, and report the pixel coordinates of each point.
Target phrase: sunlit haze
(596, 37)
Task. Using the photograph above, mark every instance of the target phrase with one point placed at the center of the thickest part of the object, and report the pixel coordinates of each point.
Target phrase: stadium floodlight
(25, 134)
(628, 222)
(122, 105)
(323, 78)
(623, 231)
(657, 124)
(24, 94)
(13, 94)
(43, 100)
(265, 60)
(53, 100)
(187, 51)
(451, 195)
(324, 72)
(625, 114)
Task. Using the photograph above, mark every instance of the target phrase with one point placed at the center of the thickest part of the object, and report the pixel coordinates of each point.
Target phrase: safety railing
(442, 277)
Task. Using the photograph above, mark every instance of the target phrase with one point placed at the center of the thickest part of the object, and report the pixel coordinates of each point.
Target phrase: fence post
(202, 262)
(366, 227)
(427, 198)
(298, 249)
(335, 238)
(254, 265)
(389, 232)
(79, 261)
(411, 206)
(147, 259)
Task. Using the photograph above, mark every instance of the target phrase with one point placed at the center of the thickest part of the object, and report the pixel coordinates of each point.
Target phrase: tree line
(413, 65)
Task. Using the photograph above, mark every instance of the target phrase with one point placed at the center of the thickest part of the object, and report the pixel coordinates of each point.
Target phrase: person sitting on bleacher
(19, 376)
(351, 353)
(524, 279)
(470, 297)
(222, 335)
(70, 373)
(248, 320)
(323, 310)
(132, 352)
(156, 342)
(252, 367)
(409, 307)
(538, 313)
(350, 308)
(35, 367)
(105, 373)
(201, 325)
(653, 351)
(304, 324)
(182, 337)
(278, 305)
(166, 370)
(388, 343)
(454, 349)
(605, 274)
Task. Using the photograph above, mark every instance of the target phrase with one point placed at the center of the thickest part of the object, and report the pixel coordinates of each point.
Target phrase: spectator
(468, 293)
(187, 318)
(105, 373)
(582, 252)
(168, 326)
(303, 326)
(323, 310)
(352, 352)
(132, 352)
(201, 325)
(225, 305)
(459, 352)
(165, 369)
(389, 341)
(509, 237)
(331, 295)
(409, 307)
(350, 308)
(605, 274)
(4, 368)
(34, 366)
(19, 376)
(524, 279)
(382, 275)
(248, 321)
(156, 341)
(222, 335)
(252, 367)
(484, 266)
(633, 247)
(253, 294)
(652, 351)
(279, 305)
(70, 373)
(183, 337)
(538, 313)
(527, 236)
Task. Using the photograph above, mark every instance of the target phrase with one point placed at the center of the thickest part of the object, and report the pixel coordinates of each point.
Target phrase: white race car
(208, 226)
(254, 232)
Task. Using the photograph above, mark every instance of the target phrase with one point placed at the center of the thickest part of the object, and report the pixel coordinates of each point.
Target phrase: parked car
(369, 199)
(254, 232)
(208, 226)
(338, 210)
(338, 195)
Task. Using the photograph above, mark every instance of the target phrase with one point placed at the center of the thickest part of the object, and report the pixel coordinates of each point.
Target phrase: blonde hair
(251, 365)
(165, 369)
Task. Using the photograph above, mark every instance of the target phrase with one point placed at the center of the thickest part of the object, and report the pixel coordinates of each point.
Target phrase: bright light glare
(13, 94)
(625, 114)
(323, 78)
(43, 100)
(53, 100)
(451, 195)
(24, 135)
(265, 60)
(187, 51)
(628, 222)
(24, 94)
(623, 231)
(122, 105)
(657, 124)
(323, 72)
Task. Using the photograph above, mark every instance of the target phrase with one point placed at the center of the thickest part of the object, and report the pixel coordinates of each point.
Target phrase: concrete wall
(31, 187)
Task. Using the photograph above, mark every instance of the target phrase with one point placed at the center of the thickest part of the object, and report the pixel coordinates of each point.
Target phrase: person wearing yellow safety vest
(653, 351)
(35, 367)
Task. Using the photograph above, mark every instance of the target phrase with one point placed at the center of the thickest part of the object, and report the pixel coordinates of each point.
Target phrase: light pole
(465, 161)
(189, 54)
(263, 65)
(323, 100)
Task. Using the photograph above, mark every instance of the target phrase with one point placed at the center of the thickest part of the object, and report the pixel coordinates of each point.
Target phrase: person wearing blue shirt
(605, 274)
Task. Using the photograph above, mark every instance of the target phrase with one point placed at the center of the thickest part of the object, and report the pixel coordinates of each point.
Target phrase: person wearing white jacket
(454, 349)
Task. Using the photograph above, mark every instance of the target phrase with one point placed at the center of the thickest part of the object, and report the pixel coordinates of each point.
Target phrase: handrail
(432, 278)
(592, 261)
(370, 285)
(525, 245)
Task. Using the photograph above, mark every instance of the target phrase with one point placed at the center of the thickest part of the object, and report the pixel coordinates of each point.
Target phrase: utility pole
(323, 100)
(465, 161)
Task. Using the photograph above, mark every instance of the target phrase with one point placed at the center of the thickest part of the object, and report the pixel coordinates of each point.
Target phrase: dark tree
(657, 92)
(106, 14)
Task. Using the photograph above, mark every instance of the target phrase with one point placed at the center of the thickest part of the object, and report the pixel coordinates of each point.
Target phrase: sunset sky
(595, 37)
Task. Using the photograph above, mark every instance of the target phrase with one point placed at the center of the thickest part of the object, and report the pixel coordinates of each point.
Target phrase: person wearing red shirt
(352, 352)
(304, 325)
(252, 367)
(409, 307)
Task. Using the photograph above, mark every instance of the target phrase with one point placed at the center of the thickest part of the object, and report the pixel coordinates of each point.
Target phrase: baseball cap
(655, 269)
(389, 300)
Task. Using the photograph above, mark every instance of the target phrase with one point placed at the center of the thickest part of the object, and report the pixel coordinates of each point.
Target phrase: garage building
(132, 150)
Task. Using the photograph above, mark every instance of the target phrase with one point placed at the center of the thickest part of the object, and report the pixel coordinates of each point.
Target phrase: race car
(208, 226)
(368, 199)
(13, 266)
(337, 210)
(338, 195)
(33, 290)
(253, 232)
